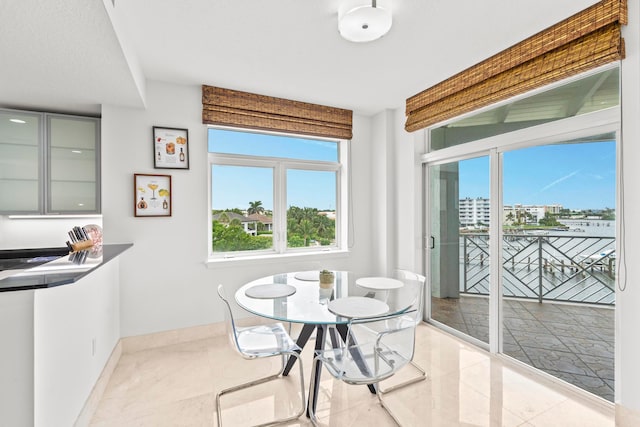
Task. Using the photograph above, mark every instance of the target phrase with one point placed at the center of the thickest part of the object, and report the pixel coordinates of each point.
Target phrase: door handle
(433, 242)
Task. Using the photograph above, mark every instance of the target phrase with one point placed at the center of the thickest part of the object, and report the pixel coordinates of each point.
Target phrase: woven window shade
(247, 110)
(582, 42)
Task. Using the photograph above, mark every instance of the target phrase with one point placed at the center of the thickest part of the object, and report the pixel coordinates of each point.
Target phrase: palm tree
(255, 208)
(309, 213)
(509, 217)
(306, 230)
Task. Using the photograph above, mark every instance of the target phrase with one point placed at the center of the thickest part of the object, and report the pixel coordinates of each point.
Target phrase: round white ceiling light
(364, 20)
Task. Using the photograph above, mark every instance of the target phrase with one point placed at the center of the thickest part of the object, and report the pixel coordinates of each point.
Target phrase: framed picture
(170, 148)
(151, 195)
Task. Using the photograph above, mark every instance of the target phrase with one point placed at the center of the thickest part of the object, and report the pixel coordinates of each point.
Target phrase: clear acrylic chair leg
(264, 380)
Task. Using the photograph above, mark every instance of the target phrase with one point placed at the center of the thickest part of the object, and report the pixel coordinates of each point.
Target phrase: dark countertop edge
(109, 252)
(27, 253)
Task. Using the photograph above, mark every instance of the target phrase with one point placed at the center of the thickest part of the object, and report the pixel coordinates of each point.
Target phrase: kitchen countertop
(64, 270)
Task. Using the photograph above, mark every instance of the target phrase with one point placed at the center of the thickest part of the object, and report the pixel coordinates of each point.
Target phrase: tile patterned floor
(175, 385)
(572, 342)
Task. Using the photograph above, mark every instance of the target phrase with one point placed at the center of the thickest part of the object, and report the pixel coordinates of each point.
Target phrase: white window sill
(273, 258)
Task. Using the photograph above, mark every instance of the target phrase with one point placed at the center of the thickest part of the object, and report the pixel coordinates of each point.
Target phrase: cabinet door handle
(433, 242)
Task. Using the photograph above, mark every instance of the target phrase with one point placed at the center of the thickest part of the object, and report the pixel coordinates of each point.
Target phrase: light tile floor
(175, 386)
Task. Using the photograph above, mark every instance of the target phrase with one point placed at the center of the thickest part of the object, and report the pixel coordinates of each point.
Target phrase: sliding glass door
(459, 239)
(548, 300)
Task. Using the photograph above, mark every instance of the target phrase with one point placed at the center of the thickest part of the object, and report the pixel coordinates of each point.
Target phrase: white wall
(407, 187)
(383, 209)
(164, 282)
(23, 233)
(396, 202)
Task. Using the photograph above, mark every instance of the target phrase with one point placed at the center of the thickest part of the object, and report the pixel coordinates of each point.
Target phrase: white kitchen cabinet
(50, 163)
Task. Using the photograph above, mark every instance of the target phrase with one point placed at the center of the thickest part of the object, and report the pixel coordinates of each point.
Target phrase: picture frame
(152, 195)
(170, 148)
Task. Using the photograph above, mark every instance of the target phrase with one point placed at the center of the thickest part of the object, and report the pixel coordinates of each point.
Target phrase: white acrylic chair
(374, 349)
(414, 288)
(260, 341)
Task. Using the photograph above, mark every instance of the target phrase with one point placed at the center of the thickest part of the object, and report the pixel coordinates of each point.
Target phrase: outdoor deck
(574, 342)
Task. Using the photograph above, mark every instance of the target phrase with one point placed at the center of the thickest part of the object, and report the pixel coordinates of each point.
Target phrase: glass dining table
(297, 297)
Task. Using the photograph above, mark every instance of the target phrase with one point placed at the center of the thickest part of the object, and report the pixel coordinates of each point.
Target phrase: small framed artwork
(151, 195)
(170, 148)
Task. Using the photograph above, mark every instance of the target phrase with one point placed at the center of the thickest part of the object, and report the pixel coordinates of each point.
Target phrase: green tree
(295, 241)
(233, 238)
(255, 208)
(509, 217)
(549, 220)
(307, 224)
(234, 210)
(608, 214)
(306, 230)
(224, 218)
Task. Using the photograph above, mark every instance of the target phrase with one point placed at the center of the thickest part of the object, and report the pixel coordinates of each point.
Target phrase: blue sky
(577, 176)
(304, 188)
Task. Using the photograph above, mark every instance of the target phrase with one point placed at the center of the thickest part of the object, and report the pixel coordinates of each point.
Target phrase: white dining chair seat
(265, 340)
(344, 367)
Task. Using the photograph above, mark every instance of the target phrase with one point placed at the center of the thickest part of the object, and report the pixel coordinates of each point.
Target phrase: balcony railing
(544, 267)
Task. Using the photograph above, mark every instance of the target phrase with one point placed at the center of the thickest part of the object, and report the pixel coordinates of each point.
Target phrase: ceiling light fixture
(364, 20)
(17, 121)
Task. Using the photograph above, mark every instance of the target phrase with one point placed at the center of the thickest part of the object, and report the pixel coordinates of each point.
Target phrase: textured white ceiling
(74, 55)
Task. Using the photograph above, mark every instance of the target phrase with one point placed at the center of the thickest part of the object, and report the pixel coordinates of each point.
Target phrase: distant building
(249, 223)
(329, 214)
(477, 211)
(530, 214)
(264, 219)
(474, 211)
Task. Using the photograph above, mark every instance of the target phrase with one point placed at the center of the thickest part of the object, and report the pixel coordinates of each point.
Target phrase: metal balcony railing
(543, 267)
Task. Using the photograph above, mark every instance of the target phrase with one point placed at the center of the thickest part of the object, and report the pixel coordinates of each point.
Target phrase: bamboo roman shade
(584, 41)
(247, 110)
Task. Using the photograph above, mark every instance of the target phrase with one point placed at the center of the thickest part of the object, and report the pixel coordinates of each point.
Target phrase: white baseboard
(90, 406)
(175, 336)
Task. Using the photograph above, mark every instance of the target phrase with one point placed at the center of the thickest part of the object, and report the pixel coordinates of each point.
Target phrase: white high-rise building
(474, 211)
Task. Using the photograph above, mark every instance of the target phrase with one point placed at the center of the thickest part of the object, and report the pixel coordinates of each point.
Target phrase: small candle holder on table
(327, 280)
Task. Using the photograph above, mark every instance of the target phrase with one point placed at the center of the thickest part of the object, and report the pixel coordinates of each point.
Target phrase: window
(274, 194)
